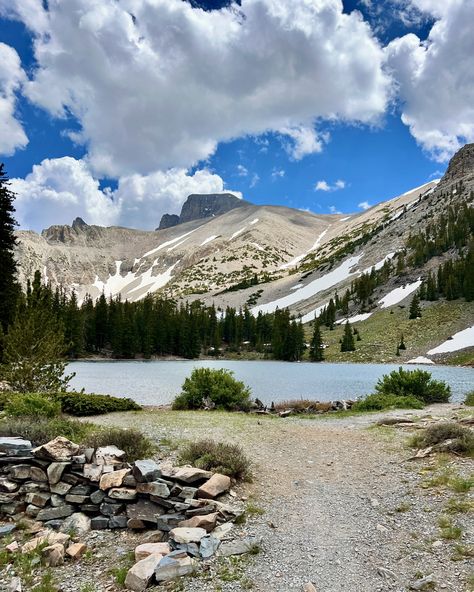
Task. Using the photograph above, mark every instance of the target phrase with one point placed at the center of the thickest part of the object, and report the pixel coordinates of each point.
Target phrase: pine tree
(9, 288)
(347, 343)
(401, 345)
(316, 351)
(415, 308)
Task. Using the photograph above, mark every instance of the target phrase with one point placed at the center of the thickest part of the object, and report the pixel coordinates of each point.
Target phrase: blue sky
(267, 132)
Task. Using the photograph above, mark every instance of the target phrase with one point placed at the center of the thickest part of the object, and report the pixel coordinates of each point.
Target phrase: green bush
(378, 402)
(219, 387)
(469, 400)
(41, 430)
(415, 383)
(82, 404)
(227, 459)
(461, 436)
(31, 404)
(135, 444)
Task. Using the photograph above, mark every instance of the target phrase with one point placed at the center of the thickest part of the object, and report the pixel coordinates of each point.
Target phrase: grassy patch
(469, 399)
(459, 505)
(449, 530)
(135, 444)
(462, 438)
(461, 552)
(41, 430)
(228, 459)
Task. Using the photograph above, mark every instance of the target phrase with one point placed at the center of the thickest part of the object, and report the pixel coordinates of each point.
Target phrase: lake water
(157, 382)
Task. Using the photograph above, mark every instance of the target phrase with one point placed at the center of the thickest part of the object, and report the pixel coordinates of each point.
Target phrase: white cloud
(161, 88)
(255, 180)
(58, 190)
(12, 135)
(364, 205)
(242, 171)
(278, 174)
(436, 78)
(334, 210)
(325, 186)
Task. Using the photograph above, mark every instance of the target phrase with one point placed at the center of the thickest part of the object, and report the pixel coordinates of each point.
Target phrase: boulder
(122, 493)
(209, 545)
(78, 523)
(54, 513)
(59, 449)
(187, 535)
(106, 455)
(53, 555)
(216, 485)
(114, 479)
(76, 550)
(208, 522)
(146, 470)
(140, 575)
(191, 474)
(155, 488)
(55, 471)
(146, 549)
(174, 565)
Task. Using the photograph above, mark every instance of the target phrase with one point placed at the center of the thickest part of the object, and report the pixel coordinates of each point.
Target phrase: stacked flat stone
(99, 490)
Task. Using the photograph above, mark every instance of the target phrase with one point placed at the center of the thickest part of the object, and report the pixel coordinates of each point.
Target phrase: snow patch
(310, 316)
(209, 240)
(420, 360)
(254, 221)
(399, 294)
(114, 283)
(152, 283)
(325, 282)
(168, 243)
(458, 341)
(257, 246)
(344, 219)
(297, 259)
(297, 287)
(355, 319)
(238, 232)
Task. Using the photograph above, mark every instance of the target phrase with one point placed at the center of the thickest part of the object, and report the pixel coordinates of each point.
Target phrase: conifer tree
(9, 288)
(347, 342)
(402, 345)
(415, 308)
(316, 351)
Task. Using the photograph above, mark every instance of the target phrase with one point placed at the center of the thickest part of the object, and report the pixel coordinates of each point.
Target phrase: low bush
(31, 404)
(41, 430)
(218, 388)
(416, 383)
(378, 402)
(135, 444)
(228, 459)
(82, 404)
(462, 438)
(469, 400)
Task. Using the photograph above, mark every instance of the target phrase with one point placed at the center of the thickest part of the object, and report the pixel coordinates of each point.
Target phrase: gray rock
(79, 523)
(15, 585)
(12, 509)
(122, 493)
(53, 513)
(54, 524)
(174, 565)
(59, 449)
(110, 509)
(155, 488)
(106, 455)
(146, 470)
(20, 472)
(426, 583)
(81, 490)
(97, 496)
(118, 522)
(12, 446)
(7, 486)
(38, 499)
(79, 459)
(188, 493)
(76, 499)
(190, 548)
(191, 474)
(239, 547)
(33, 487)
(32, 511)
(169, 521)
(55, 471)
(99, 523)
(60, 488)
(90, 509)
(38, 474)
(187, 535)
(129, 481)
(93, 471)
(209, 545)
(140, 575)
(144, 510)
(7, 529)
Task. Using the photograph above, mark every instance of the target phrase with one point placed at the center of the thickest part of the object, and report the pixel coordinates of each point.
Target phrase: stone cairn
(63, 488)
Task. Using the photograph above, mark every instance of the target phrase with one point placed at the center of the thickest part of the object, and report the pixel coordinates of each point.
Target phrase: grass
(461, 484)
(461, 552)
(228, 459)
(462, 438)
(458, 505)
(135, 444)
(469, 399)
(449, 530)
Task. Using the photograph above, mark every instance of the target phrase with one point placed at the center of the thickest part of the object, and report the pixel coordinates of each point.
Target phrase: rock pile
(67, 488)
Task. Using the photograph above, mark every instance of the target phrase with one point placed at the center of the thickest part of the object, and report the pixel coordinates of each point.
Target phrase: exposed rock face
(202, 205)
(461, 164)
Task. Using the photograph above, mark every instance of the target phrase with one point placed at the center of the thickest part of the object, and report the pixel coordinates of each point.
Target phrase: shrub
(416, 383)
(42, 430)
(462, 438)
(135, 444)
(378, 402)
(469, 400)
(217, 386)
(227, 459)
(82, 404)
(31, 404)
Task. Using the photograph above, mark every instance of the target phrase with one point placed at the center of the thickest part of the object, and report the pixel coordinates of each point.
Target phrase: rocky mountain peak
(78, 224)
(461, 165)
(202, 205)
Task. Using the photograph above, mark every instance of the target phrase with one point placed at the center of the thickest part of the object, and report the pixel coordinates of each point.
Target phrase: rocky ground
(335, 502)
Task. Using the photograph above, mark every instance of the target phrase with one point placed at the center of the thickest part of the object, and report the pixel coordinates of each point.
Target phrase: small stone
(309, 587)
(122, 493)
(76, 550)
(78, 523)
(187, 535)
(147, 549)
(129, 481)
(99, 523)
(53, 513)
(114, 479)
(53, 555)
(141, 574)
(60, 488)
(93, 472)
(155, 488)
(239, 547)
(209, 545)
(38, 499)
(188, 493)
(55, 471)
(7, 486)
(155, 536)
(222, 530)
(56, 500)
(80, 459)
(118, 522)
(216, 485)
(32, 511)
(174, 565)
(51, 538)
(135, 524)
(38, 474)
(15, 585)
(59, 449)
(13, 547)
(7, 529)
(76, 499)
(191, 474)
(169, 521)
(97, 496)
(106, 455)
(208, 522)
(110, 509)
(146, 470)
(13, 508)
(426, 583)
(382, 528)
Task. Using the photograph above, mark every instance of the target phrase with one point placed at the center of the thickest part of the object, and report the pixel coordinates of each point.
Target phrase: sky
(116, 110)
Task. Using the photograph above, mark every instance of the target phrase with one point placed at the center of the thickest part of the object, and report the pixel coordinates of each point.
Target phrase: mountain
(202, 205)
(270, 257)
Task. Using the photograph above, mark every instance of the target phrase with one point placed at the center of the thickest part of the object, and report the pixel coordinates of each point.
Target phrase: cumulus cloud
(12, 134)
(58, 190)
(436, 78)
(325, 186)
(158, 84)
(364, 205)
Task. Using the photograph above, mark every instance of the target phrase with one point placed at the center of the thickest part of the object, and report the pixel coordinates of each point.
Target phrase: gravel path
(343, 508)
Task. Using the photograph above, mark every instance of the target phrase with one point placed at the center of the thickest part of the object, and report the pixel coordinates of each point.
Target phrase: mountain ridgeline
(256, 277)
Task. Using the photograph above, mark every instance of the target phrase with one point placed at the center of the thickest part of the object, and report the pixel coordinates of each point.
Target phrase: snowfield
(356, 318)
(458, 341)
(168, 243)
(420, 360)
(208, 240)
(399, 294)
